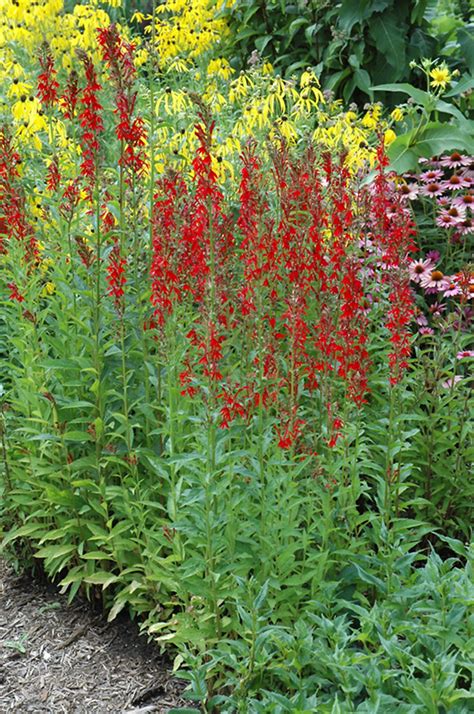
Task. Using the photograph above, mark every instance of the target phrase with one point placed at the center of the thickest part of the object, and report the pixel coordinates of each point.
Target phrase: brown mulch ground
(57, 658)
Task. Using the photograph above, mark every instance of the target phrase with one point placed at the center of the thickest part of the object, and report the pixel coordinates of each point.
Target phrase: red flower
(70, 97)
(15, 293)
(393, 237)
(91, 122)
(13, 204)
(47, 84)
(119, 56)
(53, 177)
(116, 277)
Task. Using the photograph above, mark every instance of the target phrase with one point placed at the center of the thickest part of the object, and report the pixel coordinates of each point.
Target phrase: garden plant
(236, 338)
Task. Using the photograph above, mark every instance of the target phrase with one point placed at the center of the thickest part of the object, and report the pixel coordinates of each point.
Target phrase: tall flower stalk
(92, 125)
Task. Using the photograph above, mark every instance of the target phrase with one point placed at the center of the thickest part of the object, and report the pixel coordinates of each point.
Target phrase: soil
(57, 658)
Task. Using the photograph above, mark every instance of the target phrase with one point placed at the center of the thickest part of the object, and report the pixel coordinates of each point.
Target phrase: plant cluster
(235, 396)
(351, 45)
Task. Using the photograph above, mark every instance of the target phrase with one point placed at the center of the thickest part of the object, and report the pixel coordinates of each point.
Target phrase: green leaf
(294, 27)
(51, 552)
(418, 11)
(466, 40)
(97, 555)
(77, 436)
(389, 38)
(262, 42)
(27, 530)
(402, 156)
(464, 85)
(438, 138)
(101, 578)
(448, 108)
(262, 596)
(421, 97)
(351, 13)
(362, 82)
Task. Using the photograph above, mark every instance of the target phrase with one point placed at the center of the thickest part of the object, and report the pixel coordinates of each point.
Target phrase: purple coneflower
(455, 160)
(426, 331)
(421, 320)
(433, 281)
(448, 383)
(452, 288)
(408, 191)
(465, 353)
(444, 220)
(443, 201)
(419, 269)
(434, 256)
(432, 189)
(465, 201)
(437, 309)
(455, 182)
(457, 212)
(466, 226)
(431, 176)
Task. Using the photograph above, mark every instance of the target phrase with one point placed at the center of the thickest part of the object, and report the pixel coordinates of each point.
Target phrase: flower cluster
(47, 84)
(119, 58)
(91, 122)
(301, 292)
(449, 180)
(12, 203)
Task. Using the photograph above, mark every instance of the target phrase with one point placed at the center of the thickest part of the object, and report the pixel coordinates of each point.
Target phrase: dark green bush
(352, 45)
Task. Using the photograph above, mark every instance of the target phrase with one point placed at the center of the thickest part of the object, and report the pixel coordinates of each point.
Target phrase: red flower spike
(16, 225)
(70, 97)
(91, 123)
(47, 84)
(116, 277)
(15, 294)
(130, 131)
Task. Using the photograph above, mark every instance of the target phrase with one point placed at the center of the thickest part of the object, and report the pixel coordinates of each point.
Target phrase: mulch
(57, 658)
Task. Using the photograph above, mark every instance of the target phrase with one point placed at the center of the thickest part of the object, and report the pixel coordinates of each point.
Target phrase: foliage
(407, 652)
(351, 45)
(218, 411)
(433, 125)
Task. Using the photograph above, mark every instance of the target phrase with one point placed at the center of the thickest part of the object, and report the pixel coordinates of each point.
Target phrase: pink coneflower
(419, 269)
(457, 212)
(455, 160)
(465, 354)
(455, 182)
(408, 191)
(466, 226)
(426, 331)
(464, 201)
(424, 160)
(421, 320)
(437, 309)
(444, 220)
(443, 201)
(431, 176)
(432, 189)
(452, 289)
(434, 256)
(433, 280)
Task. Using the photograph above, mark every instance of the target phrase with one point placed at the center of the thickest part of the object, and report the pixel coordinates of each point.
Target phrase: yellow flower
(389, 136)
(440, 76)
(49, 289)
(397, 114)
(220, 68)
(174, 101)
